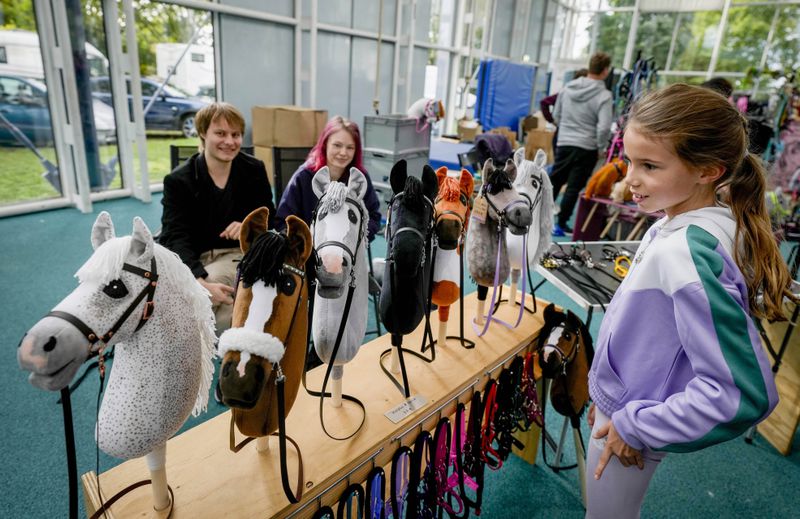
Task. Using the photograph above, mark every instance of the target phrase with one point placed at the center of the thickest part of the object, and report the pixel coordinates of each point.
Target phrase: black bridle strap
(147, 292)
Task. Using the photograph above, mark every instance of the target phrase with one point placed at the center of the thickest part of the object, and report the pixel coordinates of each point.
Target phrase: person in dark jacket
(205, 201)
(339, 148)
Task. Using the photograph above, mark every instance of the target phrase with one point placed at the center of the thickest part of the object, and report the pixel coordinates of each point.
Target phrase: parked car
(24, 104)
(172, 110)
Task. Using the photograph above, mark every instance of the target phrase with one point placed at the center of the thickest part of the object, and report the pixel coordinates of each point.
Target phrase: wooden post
(442, 340)
(156, 462)
(262, 445)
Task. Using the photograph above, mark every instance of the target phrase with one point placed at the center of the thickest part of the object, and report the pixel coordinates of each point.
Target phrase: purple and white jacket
(679, 364)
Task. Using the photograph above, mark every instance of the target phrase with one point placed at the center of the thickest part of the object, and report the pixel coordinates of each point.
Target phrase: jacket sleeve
(545, 105)
(732, 387)
(557, 110)
(604, 123)
(263, 193)
(176, 224)
(373, 206)
(291, 201)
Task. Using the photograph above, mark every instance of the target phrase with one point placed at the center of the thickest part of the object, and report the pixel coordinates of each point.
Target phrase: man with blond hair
(583, 116)
(206, 199)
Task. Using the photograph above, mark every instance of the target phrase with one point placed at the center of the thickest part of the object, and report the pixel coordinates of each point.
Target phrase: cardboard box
(290, 126)
(468, 129)
(264, 153)
(508, 134)
(539, 139)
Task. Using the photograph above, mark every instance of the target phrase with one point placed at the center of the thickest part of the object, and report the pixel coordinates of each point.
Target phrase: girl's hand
(615, 445)
(590, 415)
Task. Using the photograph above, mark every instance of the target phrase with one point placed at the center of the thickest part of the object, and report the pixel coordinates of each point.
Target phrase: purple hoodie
(679, 364)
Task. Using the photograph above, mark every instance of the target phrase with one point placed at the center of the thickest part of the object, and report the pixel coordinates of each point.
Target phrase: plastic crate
(378, 163)
(395, 134)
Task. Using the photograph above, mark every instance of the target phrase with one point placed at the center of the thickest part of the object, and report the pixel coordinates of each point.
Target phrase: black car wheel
(187, 126)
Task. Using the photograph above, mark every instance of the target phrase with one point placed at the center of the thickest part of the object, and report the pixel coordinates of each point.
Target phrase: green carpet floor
(39, 253)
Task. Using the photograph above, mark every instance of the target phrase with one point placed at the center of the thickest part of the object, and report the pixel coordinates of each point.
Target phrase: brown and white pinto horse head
(270, 323)
(452, 206)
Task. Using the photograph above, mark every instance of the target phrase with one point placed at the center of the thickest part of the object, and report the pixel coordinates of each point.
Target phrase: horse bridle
(390, 236)
(335, 243)
(450, 212)
(148, 292)
(565, 357)
(501, 213)
(532, 203)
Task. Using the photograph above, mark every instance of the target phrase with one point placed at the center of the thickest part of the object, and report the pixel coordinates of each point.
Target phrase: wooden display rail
(211, 481)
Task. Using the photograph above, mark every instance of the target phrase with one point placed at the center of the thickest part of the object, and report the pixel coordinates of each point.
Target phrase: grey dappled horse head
(339, 231)
(505, 208)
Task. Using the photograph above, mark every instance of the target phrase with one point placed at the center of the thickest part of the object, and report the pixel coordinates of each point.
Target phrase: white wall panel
(362, 79)
(366, 15)
(333, 73)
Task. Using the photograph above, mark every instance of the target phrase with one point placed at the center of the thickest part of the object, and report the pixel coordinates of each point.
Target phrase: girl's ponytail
(755, 248)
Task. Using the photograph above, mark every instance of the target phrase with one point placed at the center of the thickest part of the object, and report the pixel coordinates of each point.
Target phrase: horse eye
(322, 215)
(463, 200)
(567, 336)
(287, 285)
(534, 182)
(352, 216)
(116, 289)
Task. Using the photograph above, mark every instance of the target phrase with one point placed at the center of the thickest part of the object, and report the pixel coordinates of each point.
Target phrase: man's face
(223, 140)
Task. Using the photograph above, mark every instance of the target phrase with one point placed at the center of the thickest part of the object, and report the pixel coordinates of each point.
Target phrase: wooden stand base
(780, 427)
(211, 481)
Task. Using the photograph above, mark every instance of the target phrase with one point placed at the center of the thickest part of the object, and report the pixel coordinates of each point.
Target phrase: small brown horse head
(269, 323)
(452, 206)
(565, 352)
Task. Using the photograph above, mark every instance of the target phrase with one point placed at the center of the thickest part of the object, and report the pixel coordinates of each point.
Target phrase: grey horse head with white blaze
(534, 185)
(506, 205)
(339, 229)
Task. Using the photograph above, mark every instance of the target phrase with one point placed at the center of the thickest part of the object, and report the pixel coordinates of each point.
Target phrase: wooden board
(211, 481)
(779, 428)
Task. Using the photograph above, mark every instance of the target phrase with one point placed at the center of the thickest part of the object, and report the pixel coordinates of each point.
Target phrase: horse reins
(148, 292)
(342, 324)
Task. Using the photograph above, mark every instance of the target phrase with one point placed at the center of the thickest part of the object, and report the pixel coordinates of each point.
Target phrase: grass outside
(21, 171)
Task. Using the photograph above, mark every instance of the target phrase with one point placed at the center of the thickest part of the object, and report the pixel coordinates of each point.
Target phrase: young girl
(679, 364)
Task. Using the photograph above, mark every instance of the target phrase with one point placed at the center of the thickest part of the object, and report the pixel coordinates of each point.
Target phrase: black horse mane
(497, 181)
(412, 194)
(264, 260)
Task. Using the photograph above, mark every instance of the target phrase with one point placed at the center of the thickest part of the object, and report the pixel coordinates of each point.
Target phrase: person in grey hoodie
(583, 116)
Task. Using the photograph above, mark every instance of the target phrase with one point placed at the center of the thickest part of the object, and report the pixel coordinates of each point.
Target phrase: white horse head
(164, 348)
(340, 239)
(533, 184)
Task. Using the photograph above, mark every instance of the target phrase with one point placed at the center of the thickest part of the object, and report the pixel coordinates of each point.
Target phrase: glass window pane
(26, 132)
(654, 35)
(784, 55)
(745, 37)
(695, 41)
(612, 35)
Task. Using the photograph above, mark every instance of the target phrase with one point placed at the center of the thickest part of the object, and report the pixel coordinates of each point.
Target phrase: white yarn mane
(105, 265)
(335, 197)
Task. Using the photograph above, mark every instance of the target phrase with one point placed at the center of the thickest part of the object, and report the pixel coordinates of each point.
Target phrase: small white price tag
(405, 408)
(480, 208)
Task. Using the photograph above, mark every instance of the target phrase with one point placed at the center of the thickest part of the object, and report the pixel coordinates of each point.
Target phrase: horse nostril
(50, 344)
(344, 262)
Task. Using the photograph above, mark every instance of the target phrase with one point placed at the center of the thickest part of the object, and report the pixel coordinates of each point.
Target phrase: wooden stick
(589, 217)
(609, 224)
(637, 228)
(156, 462)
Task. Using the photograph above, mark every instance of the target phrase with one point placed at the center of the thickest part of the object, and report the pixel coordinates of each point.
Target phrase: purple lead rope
(489, 317)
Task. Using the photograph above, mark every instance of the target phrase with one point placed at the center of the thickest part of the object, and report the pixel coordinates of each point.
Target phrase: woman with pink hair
(338, 148)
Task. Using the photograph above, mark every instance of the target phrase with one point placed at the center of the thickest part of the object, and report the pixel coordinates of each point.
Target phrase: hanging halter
(147, 292)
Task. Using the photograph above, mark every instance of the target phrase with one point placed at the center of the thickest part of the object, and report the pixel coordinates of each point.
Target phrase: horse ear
(320, 181)
(540, 159)
(102, 230)
(141, 240)
(397, 178)
(488, 166)
(430, 186)
(519, 155)
(511, 170)
(467, 182)
(441, 174)
(299, 235)
(550, 314)
(254, 224)
(357, 183)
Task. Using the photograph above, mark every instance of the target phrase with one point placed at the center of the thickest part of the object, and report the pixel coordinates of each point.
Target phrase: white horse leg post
(581, 455)
(157, 463)
(394, 358)
(561, 440)
(442, 340)
(336, 389)
(512, 294)
(480, 311)
(262, 445)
